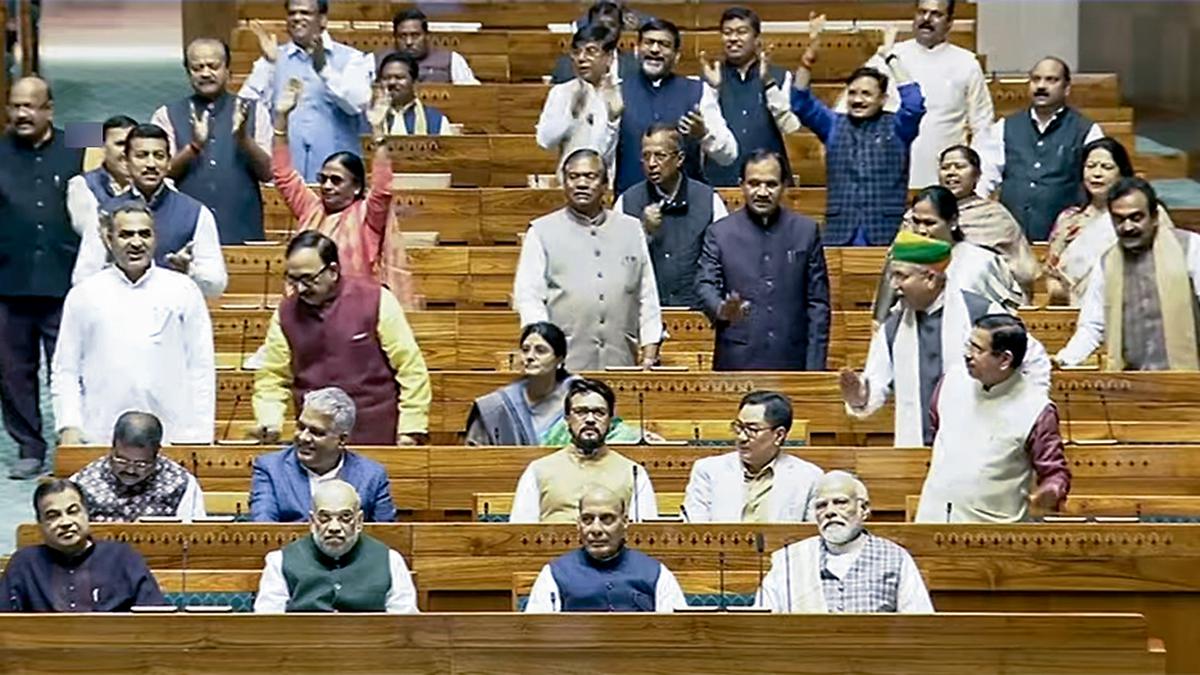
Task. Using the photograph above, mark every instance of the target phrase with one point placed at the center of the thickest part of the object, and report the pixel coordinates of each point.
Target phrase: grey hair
(108, 218)
(860, 488)
(335, 403)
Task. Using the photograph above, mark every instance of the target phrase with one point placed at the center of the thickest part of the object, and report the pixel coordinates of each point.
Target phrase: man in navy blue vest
(185, 232)
(866, 149)
(675, 212)
(762, 279)
(37, 249)
(753, 95)
(657, 94)
(1036, 154)
(111, 178)
(401, 112)
(220, 145)
(604, 575)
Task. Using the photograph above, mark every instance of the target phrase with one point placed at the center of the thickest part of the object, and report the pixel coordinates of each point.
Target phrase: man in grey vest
(338, 568)
(762, 279)
(588, 270)
(220, 145)
(1035, 155)
(410, 32)
(675, 212)
(844, 569)
(754, 95)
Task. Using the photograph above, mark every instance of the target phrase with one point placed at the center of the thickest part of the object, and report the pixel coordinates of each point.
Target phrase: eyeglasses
(750, 430)
(305, 280)
(139, 464)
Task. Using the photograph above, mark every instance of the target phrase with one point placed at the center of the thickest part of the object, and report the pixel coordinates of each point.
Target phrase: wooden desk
(553, 644)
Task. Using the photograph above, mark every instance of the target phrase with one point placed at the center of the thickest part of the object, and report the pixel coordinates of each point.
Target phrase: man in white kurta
(996, 449)
(134, 336)
(957, 99)
(844, 569)
(604, 575)
(550, 488)
(758, 482)
(1141, 300)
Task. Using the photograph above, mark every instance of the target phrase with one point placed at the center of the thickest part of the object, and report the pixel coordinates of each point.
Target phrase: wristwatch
(889, 58)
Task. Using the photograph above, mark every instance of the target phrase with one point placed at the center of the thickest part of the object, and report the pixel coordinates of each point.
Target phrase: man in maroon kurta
(345, 332)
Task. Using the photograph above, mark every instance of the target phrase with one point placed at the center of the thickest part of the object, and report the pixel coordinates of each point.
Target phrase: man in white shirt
(134, 336)
(844, 569)
(957, 99)
(550, 488)
(185, 232)
(758, 482)
(410, 30)
(604, 575)
(588, 270)
(1035, 155)
(338, 568)
(585, 112)
(134, 480)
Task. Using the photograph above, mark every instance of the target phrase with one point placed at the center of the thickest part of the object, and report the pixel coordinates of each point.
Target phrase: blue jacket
(279, 490)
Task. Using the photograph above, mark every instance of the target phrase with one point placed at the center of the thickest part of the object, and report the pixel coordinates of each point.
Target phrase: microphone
(787, 573)
(266, 285)
(949, 510)
(1107, 418)
(637, 515)
(553, 601)
(183, 572)
(242, 344)
(237, 401)
(496, 436)
(721, 580)
(1067, 415)
(641, 423)
(487, 508)
(683, 513)
(760, 548)
(511, 367)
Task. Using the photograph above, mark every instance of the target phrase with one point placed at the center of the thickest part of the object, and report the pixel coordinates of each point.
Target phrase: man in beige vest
(587, 270)
(550, 488)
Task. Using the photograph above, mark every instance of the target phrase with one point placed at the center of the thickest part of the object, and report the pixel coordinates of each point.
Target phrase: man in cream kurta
(996, 434)
(957, 98)
(758, 482)
(588, 270)
(134, 336)
(550, 488)
(844, 569)
(1141, 301)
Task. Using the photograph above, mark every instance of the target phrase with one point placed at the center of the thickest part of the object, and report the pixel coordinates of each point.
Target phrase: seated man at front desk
(338, 568)
(284, 482)
(550, 487)
(70, 572)
(603, 575)
(844, 569)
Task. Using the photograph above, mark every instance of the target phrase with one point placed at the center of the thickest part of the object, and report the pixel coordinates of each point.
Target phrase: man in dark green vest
(338, 568)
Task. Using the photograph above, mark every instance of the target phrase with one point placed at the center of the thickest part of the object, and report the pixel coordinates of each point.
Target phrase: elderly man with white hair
(338, 568)
(284, 482)
(844, 569)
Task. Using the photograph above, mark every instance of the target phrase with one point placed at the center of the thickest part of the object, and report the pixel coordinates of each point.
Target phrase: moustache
(1041, 92)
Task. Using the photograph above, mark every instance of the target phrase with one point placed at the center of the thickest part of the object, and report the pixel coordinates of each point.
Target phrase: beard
(589, 444)
(840, 535)
(336, 550)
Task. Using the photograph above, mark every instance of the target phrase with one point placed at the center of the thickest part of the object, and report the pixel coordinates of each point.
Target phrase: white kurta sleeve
(698, 496)
(912, 597)
(1094, 133)
(544, 597)
(1089, 328)
(201, 373)
(719, 142)
(350, 88)
(257, 86)
(263, 126)
(527, 501)
(981, 114)
(719, 209)
(460, 70)
(82, 206)
(771, 594)
(991, 152)
(208, 263)
(650, 324)
(191, 507)
(1036, 366)
(162, 120)
(645, 504)
(779, 103)
(66, 378)
(668, 596)
(879, 374)
(529, 284)
(402, 596)
(555, 124)
(93, 254)
(272, 596)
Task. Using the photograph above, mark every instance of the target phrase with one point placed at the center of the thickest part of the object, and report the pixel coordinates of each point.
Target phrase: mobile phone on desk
(208, 609)
(154, 609)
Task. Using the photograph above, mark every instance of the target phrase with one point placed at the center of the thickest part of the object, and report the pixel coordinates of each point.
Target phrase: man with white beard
(338, 568)
(845, 569)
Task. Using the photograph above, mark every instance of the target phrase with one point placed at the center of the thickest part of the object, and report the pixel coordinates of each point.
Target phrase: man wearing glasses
(550, 489)
(134, 480)
(338, 568)
(332, 330)
(758, 482)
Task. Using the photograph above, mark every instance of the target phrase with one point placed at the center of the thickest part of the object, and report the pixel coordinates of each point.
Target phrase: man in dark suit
(283, 482)
(762, 279)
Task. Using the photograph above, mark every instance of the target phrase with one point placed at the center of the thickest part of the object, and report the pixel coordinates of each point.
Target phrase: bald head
(31, 109)
(334, 496)
(601, 497)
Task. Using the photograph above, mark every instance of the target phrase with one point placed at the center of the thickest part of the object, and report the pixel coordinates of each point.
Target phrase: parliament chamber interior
(394, 422)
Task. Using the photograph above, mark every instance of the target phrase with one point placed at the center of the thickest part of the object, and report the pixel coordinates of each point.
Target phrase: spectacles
(740, 429)
(139, 464)
(306, 280)
(584, 413)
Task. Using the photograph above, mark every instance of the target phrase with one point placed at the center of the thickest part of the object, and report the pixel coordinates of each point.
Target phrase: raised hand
(889, 41)
(691, 125)
(241, 111)
(317, 52)
(652, 218)
(854, 388)
(268, 44)
(764, 66)
(711, 70)
(579, 99)
(377, 113)
(199, 127)
(181, 260)
(613, 100)
(290, 96)
(816, 25)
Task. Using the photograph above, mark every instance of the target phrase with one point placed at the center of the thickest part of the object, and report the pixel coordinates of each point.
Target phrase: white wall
(1016, 33)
